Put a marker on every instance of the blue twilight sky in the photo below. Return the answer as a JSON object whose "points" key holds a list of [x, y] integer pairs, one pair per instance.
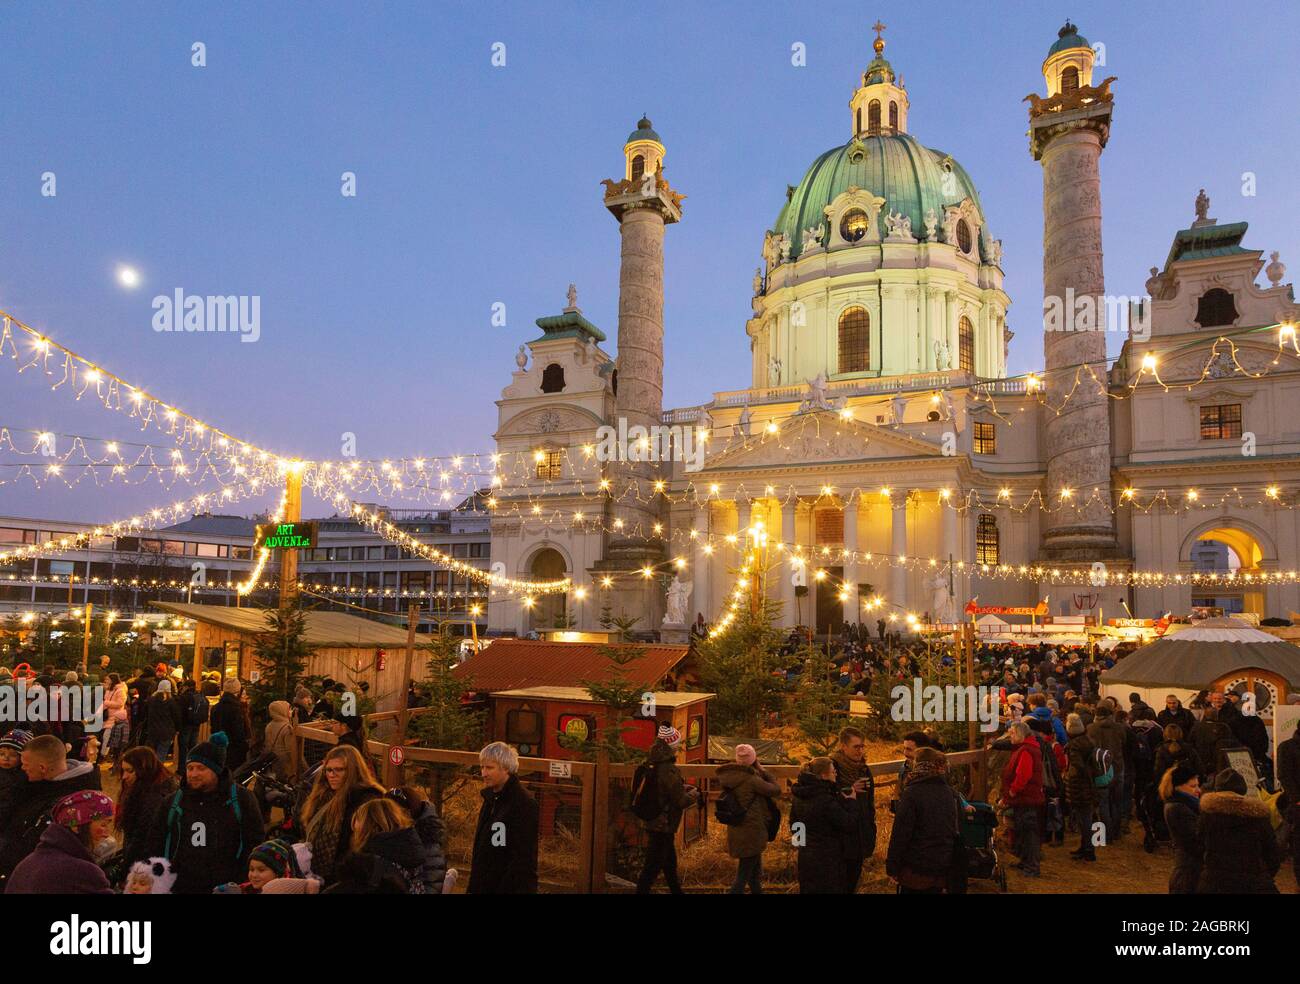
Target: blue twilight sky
{"points": [[479, 184]]}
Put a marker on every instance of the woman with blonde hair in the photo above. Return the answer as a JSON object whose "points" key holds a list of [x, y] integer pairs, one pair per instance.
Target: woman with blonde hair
{"points": [[384, 828], [343, 785]]}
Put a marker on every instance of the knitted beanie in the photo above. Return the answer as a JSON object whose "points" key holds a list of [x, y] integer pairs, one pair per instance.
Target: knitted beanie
{"points": [[211, 753]]}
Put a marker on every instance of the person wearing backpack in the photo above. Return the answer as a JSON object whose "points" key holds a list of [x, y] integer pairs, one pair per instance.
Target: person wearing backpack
{"points": [[753, 792], [1108, 735], [208, 828], [659, 796], [1080, 793]]}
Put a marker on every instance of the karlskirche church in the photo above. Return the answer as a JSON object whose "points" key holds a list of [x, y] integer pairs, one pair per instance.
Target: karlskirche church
{"points": [[881, 460]]}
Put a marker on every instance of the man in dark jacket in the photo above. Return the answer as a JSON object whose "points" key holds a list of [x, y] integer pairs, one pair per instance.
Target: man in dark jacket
{"points": [[228, 718], [1176, 713], [505, 841], [1209, 736], [673, 796], [852, 773], [50, 777], [1241, 850], [824, 823], [1080, 793], [1109, 734], [208, 828], [1288, 769], [923, 841], [194, 713]]}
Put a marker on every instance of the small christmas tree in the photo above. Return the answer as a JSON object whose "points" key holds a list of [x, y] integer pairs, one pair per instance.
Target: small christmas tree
{"points": [[281, 654]]}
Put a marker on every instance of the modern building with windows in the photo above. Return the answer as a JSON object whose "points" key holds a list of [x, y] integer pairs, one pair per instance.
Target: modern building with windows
{"points": [[880, 433], [204, 558]]}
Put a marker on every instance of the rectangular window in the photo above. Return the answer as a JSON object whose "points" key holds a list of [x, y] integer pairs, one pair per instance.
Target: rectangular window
{"points": [[207, 550], [550, 465], [1220, 422], [986, 541], [523, 727], [476, 549], [986, 441], [358, 553]]}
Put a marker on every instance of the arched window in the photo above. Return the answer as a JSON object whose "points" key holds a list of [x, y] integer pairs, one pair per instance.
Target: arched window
{"points": [[965, 345], [638, 167], [964, 241], [855, 340], [858, 118], [893, 116], [1216, 307], [873, 117], [1070, 79], [553, 378], [986, 540]]}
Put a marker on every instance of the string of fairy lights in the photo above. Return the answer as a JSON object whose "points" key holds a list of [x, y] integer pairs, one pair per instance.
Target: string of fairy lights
{"points": [[202, 452]]}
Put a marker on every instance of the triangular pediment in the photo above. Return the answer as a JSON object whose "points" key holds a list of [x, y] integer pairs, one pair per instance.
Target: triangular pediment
{"points": [[819, 438]]}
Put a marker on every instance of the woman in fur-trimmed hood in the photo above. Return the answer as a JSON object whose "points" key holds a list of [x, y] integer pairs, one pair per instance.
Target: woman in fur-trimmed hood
{"points": [[1241, 850]]}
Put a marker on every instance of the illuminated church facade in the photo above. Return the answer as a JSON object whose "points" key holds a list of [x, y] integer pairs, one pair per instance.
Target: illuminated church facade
{"points": [[881, 455]]}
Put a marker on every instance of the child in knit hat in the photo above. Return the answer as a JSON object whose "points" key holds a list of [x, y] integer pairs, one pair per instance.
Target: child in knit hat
{"points": [[12, 778], [268, 861], [152, 877]]}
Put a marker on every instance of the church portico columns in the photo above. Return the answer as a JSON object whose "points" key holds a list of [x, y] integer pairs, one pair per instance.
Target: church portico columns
{"points": [[850, 601], [703, 568], [898, 548], [789, 513]]}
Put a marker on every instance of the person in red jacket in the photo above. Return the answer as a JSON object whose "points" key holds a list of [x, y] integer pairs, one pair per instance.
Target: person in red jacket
{"points": [[1022, 791]]}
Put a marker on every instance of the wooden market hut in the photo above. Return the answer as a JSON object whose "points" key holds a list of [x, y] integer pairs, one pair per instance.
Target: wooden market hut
{"points": [[346, 648]]}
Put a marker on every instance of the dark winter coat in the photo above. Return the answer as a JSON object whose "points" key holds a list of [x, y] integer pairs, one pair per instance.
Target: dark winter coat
{"points": [[1288, 767], [830, 821], [228, 716], [1250, 731], [674, 794], [509, 866], [1181, 814], [1241, 850], [60, 865], [1182, 717], [1109, 734], [860, 842], [13, 786], [404, 849], [231, 825], [1207, 738], [138, 824], [163, 717], [755, 792], [329, 847], [1167, 756], [21, 834], [925, 830], [1079, 790]]}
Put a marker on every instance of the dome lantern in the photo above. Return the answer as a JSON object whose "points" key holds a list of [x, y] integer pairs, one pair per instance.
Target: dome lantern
{"points": [[1069, 61], [644, 151], [880, 103]]}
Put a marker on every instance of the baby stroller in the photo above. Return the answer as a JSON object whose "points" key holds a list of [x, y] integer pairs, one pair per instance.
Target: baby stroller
{"points": [[977, 823]]}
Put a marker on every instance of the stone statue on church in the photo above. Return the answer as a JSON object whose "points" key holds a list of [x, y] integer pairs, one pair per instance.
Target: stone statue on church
{"points": [[942, 361], [947, 405], [812, 239], [773, 371], [816, 396], [899, 226], [743, 426], [758, 281], [1275, 271], [573, 298], [521, 359], [942, 609], [995, 252], [898, 405], [931, 224], [677, 603], [1202, 205]]}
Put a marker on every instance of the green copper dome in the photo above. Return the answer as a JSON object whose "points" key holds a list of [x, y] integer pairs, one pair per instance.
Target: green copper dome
{"points": [[1068, 37], [644, 131], [895, 167]]}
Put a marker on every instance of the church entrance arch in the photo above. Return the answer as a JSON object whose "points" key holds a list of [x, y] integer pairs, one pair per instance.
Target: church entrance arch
{"points": [[549, 611], [1226, 548]]}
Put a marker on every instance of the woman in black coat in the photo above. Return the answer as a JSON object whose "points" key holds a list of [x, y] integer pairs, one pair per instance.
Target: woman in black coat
{"points": [[1241, 850], [826, 818], [228, 716], [384, 827], [145, 784], [163, 719], [923, 842], [1180, 789]]}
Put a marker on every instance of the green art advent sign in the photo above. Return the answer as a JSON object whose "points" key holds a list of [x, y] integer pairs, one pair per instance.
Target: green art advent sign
{"points": [[286, 536]]}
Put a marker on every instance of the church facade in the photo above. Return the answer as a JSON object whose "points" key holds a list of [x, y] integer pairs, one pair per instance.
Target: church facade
{"points": [[881, 458]]}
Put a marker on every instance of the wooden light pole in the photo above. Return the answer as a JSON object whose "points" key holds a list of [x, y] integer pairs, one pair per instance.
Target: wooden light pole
{"points": [[394, 771], [292, 514]]}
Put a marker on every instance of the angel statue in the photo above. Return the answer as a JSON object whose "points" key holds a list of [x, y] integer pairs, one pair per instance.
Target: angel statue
{"points": [[677, 602]]}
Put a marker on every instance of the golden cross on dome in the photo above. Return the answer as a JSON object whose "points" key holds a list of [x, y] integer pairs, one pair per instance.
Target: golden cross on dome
{"points": [[878, 28], [879, 43]]}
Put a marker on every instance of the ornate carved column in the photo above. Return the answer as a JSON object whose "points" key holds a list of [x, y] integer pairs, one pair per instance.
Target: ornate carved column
{"points": [[1068, 141], [789, 603]]}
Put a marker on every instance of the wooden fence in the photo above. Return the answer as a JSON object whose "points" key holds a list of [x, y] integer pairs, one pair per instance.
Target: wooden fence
{"points": [[586, 785]]}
